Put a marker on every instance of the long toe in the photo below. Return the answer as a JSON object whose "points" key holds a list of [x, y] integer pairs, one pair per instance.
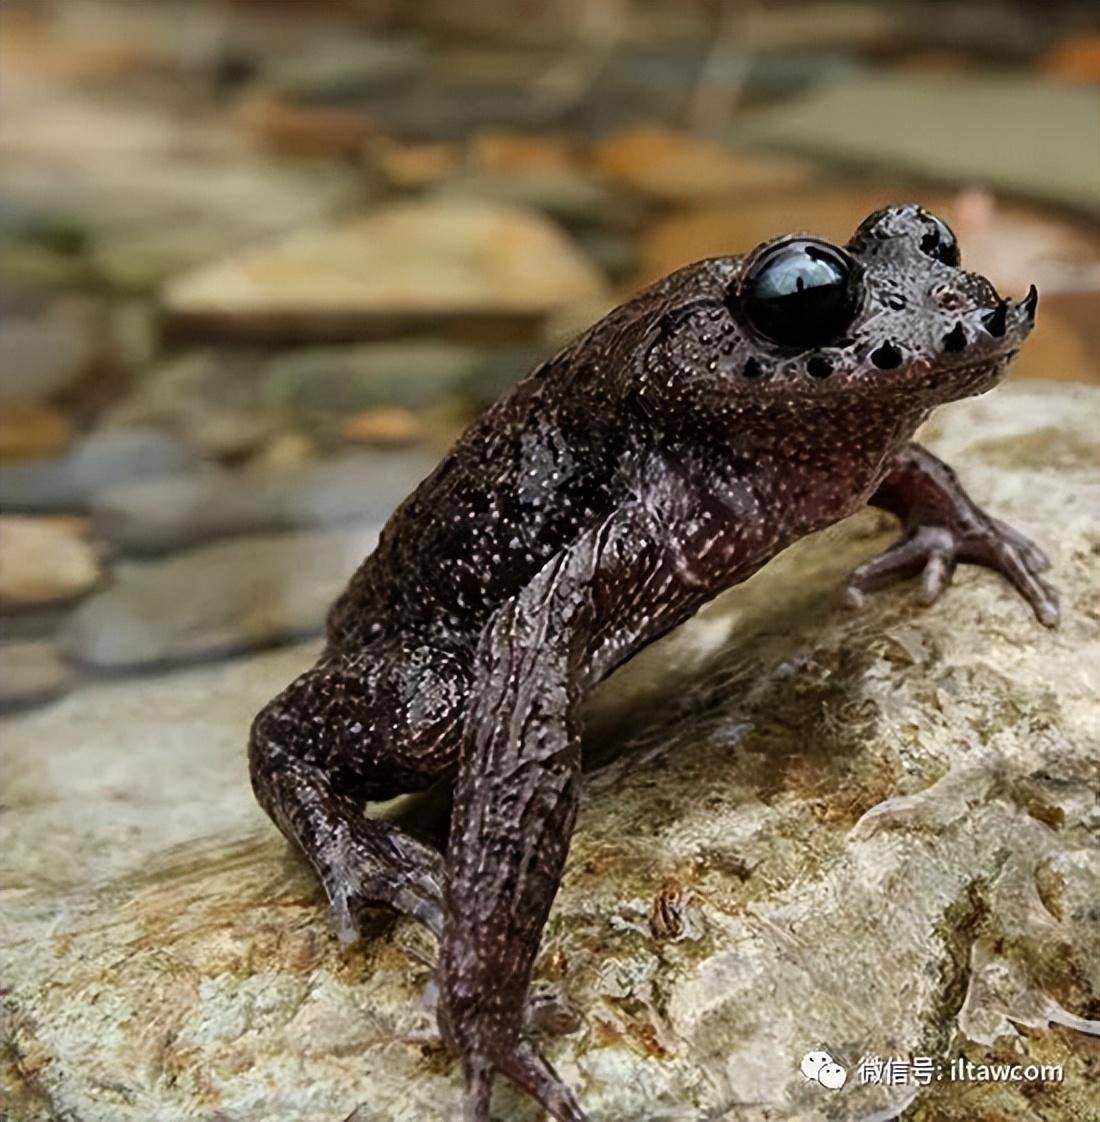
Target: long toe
{"points": [[527, 1068]]}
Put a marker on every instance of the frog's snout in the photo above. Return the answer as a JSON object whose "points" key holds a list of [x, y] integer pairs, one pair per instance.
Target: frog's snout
{"points": [[995, 321]]}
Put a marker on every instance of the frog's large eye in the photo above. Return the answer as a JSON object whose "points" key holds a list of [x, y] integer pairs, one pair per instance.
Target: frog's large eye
{"points": [[801, 293], [938, 240]]}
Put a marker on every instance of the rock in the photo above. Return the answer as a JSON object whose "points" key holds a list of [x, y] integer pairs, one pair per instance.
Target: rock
{"points": [[410, 167], [331, 70], [46, 352], [681, 169], [31, 673], [513, 153], [348, 379], [169, 514], [210, 400], [387, 425], [149, 206], [44, 560], [897, 805], [28, 432], [573, 199], [857, 123], [417, 263], [501, 368], [286, 129], [1076, 59], [100, 460], [215, 600]]}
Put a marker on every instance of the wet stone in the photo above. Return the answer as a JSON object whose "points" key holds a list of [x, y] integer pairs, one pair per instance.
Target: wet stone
{"points": [[385, 425], [30, 674], [422, 264], [28, 432], [678, 168], [169, 514], [215, 600], [857, 122], [46, 351], [411, 374], [100, 460], [44, 561]]}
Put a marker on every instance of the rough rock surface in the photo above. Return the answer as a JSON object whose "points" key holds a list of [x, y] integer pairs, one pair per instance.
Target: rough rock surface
{"points": [[866, 833]]}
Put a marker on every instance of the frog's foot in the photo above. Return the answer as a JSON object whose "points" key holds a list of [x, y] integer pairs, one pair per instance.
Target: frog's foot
{"points": [[526, 1068], [934, 551], [378, 865]]}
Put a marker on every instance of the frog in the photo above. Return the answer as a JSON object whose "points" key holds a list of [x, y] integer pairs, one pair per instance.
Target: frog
{"points": [[665, 455]]}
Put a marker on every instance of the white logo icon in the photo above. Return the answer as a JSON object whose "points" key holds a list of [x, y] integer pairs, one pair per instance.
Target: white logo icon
{"points": [[820, 1067]]}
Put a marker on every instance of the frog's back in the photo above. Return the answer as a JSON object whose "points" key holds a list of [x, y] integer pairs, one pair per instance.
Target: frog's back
{"points": [[522, 482]]}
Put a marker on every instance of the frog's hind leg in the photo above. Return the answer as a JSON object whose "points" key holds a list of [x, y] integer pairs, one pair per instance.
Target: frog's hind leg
{"points": [[361, 727]]}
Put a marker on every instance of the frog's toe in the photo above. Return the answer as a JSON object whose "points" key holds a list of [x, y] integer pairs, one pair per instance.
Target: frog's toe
{"points": [[1017, 563], [1032, 556], [929, 551], [525, 1067], [356, 895]]}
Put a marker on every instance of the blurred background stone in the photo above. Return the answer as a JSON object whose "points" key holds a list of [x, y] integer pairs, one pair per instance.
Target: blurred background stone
{"points": [[31, 673], [972, 129], [100, 460], [215, 600], [421, 264], [156, 516], [44, 560]]}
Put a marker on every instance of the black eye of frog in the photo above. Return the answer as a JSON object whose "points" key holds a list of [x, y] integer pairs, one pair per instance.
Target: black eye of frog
{"points": [[801, 293], [939, 240]]}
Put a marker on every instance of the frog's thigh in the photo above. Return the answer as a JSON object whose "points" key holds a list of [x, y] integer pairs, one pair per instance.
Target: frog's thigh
{"points": [[356, 727], [378, 722]]}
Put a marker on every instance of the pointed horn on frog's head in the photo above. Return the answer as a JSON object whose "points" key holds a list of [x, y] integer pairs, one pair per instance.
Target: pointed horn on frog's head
{"points": [[1029, 303]]}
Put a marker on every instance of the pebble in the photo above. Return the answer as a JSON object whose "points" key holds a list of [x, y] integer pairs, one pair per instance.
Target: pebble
{"points": [[348, 379], [386, 425], [44, 560], [28, 432], [31, 673], [47, 351], [215, 600], [678, 168], [419, 263], [170, 514], [102, 459]]}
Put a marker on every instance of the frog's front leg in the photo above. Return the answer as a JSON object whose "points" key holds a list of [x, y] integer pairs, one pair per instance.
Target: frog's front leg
{"points": [[517, 787], [943, 526]]}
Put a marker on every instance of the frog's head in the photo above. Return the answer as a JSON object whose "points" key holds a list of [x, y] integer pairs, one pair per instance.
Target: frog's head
{"points": [[891, 314]]}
